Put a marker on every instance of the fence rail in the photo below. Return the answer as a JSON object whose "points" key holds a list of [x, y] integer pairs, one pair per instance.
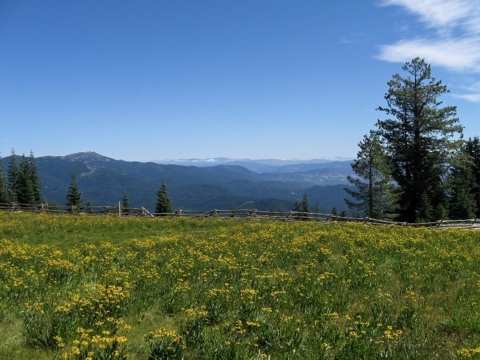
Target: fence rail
{"points": [[249, 214]]}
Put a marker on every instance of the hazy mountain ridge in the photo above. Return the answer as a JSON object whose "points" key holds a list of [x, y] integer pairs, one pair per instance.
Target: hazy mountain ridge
{"points": [[104, 181], [263, 165], [315, 172]]}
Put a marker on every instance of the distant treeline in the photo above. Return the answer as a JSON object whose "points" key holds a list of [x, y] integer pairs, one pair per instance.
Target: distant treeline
{"points": [[22, 184]]}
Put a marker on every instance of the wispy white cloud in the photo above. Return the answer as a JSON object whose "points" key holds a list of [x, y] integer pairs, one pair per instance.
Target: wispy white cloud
{"points": [[454, 54], [472, 93], [469, 97], [454, 43], [439, 14]]}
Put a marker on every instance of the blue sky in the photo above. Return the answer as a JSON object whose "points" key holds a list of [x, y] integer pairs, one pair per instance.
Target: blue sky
{"points": [[150, 80]]}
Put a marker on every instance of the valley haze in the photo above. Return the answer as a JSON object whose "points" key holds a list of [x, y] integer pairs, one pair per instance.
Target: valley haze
{"points": [[259, 165]]}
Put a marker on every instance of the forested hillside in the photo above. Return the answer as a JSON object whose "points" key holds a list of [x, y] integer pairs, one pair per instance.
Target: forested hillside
{"points": [[105, 181]]}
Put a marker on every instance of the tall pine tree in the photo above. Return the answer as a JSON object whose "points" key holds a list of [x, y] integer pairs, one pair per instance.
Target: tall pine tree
{"points": [[13, 177], [3, 185], [35, 180], [23, 180], [463, 184], [74, 196], [472, 150], [420, 137], [373, 192], [164, 203], [24, 188]]}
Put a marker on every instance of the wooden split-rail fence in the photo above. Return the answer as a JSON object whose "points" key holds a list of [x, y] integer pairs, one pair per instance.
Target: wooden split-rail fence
{"points": [[248, 214]]}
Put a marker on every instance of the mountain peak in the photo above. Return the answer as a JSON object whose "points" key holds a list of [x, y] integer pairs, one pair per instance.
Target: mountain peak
{"points": [[86, 155]]}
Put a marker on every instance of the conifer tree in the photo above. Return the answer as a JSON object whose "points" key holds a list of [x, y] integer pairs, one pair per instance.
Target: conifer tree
{"points": [[35, 180], [88, 207], [463, 185], [126, 204], [302, 206], [74, 196], [24, 188], [13, 177], [424, 210], [305, 206], [472, 150], [297, 208], [373, 186], [23, 180], [462, 201], [164, 203], [3, 185], [234, 209], [420, 137]]}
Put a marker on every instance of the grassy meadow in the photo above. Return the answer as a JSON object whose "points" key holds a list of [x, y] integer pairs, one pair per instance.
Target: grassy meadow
{"points": [[103, 287]]}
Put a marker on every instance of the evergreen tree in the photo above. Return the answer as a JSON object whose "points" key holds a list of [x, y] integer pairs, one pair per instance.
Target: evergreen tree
{"points": [[74, 196], [302, 206], [463, 185], [334, 211], [317, 208], [3, 185], [88, 207], [374, 192], [305, 206], [35, 180], [23, 180], [13, 177], [424, 210], [24, 186], [472, 150], [297, 208], [126, 204], [462, 202], [164, 203], [419, 137]]}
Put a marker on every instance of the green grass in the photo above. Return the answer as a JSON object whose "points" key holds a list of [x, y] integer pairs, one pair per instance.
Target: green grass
{"points": [[78, 287]]}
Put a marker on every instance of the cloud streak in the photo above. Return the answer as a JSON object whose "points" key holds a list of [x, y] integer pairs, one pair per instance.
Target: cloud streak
{"points": [[455, 54], [438, 14], [454, 42]]}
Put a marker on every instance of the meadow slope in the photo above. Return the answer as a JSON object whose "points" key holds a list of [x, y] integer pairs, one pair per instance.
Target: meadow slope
{"points": [[103, 287]]}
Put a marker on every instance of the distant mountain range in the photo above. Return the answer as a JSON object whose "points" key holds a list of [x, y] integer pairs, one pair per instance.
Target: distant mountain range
{"points": [[315, 172], [263, 165], [264, 185]]}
